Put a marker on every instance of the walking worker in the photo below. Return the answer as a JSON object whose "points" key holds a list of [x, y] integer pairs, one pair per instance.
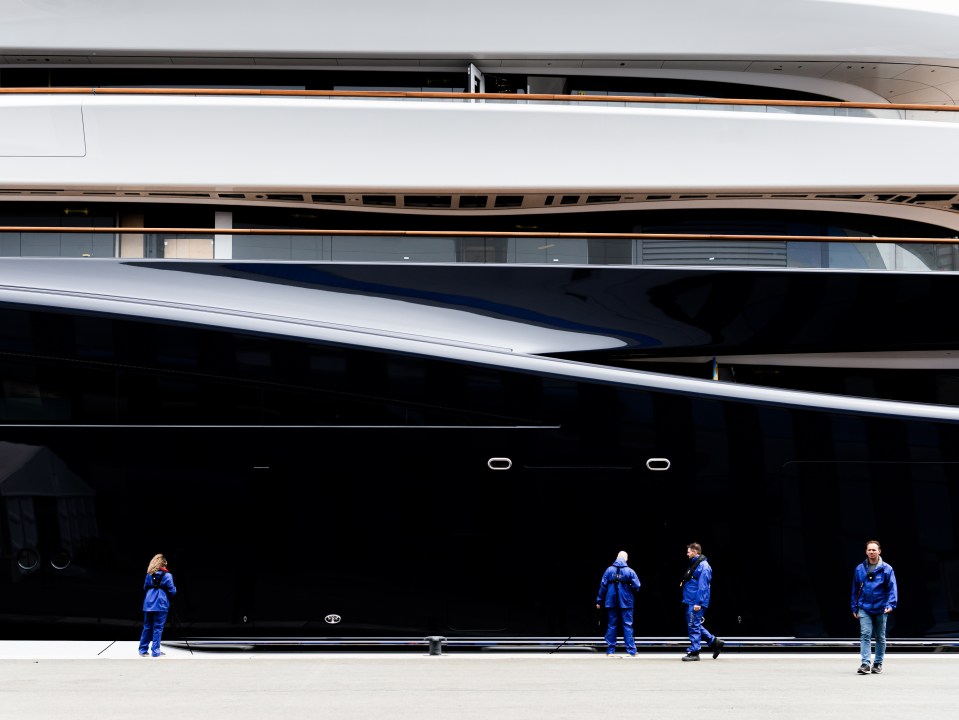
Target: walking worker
{"points": [[158, 587], [616, 595], [874, 596], [695, 587]]}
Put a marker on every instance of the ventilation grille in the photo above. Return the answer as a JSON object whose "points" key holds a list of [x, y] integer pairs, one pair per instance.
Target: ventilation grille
{"points": [[684, 252]]}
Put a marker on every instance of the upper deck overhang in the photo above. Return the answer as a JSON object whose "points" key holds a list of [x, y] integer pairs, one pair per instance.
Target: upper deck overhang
{"points": [[853, 49], [232, 144], [893, 31]]}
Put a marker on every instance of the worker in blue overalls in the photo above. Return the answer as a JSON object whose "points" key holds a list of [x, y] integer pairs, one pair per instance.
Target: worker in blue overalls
{"points": [[158, 587], [695, 587], [616, 595]]}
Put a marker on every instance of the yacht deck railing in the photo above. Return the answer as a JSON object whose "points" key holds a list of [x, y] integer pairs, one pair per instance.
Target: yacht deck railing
{"points": [[545, 235], [849, 252]]}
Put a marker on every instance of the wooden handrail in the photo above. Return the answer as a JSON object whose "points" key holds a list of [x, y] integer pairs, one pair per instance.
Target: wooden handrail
{"points": [[475, 233], [510, 97]]}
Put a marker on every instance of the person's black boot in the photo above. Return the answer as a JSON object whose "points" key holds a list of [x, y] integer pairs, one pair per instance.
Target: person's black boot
{"points": [[691, 657], [717, 647]]}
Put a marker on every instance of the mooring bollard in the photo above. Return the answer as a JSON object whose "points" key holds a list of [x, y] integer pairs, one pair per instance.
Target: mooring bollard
{"points": [[436, 644]]}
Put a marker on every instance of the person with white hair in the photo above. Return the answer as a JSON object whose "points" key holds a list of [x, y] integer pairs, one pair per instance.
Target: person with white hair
{"points": [[616, 591]]}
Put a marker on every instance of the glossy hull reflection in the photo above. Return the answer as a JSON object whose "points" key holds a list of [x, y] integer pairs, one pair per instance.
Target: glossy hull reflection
{"points": [[403, 531], [291, 479]]}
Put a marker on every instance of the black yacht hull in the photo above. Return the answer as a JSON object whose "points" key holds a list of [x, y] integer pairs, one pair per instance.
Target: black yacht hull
{"points": [[313, 488]]}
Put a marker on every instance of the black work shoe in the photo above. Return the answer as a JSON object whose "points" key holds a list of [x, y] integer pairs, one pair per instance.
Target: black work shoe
{"points": [[863, 669], [691, 657], [717, 646], [877, 668]]}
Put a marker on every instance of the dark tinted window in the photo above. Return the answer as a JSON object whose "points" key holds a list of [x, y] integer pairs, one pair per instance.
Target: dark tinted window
{"points": [[86, 369], [42, 392], [428, 201], [149, 399]]}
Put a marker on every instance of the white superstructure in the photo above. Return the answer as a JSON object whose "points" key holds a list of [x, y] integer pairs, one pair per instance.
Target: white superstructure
{"points": [[304, 147]]}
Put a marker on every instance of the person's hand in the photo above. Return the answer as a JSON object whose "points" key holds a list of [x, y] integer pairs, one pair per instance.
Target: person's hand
{"points": [[697, 608], [597, 607], [888, 610], [856, 615]]}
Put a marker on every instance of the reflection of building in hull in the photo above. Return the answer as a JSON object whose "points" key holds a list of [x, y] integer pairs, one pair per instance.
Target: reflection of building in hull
{"points": [[401, 358], [37, 488]]}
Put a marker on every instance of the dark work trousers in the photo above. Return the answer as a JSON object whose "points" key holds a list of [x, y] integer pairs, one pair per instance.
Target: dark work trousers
{"points": [[152, 630], [697, 631], [614, 618]]}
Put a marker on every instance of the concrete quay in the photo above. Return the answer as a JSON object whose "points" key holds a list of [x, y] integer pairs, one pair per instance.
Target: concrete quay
{"points": [[109, 680]]}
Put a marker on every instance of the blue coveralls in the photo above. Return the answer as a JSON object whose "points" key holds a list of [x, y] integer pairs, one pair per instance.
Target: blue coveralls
{"points": [[696, 592], [156, 605], [617, 598]]}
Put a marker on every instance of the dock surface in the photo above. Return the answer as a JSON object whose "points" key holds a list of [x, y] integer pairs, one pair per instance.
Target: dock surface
{"points": [[107, 681]]}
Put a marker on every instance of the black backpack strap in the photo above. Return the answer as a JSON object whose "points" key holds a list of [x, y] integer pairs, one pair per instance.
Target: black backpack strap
{"points": [[691, 570]]}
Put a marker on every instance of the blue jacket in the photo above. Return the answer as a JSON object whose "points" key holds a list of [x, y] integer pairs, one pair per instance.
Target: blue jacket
{"points": [[617, 594], [157, 599], [874, 596], [696, 589]]}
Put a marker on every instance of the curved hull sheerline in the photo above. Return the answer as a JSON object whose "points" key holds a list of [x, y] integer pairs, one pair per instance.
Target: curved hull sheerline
{"points": [[530, 310], [502, 315]]}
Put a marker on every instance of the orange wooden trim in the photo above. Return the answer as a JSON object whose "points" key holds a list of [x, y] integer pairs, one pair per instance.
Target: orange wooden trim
{"points": [[476, 233], [507, 97]]}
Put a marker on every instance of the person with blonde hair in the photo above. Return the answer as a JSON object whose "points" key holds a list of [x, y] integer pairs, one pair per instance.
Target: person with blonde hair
{"points": [[158, 587]]}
